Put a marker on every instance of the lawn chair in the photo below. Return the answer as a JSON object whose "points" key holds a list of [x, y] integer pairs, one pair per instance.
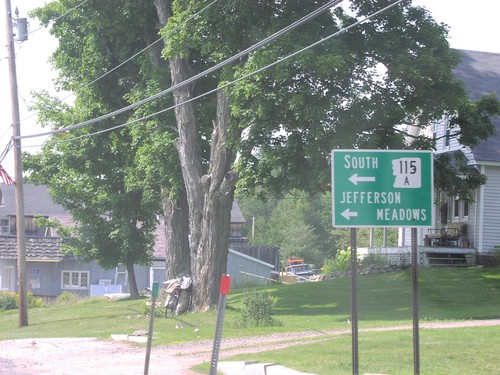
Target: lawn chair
{"points": [[449, 235]]}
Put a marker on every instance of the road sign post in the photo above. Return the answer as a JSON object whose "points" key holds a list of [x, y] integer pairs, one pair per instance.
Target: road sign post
{"points": [[225, 284], [382, 188]]}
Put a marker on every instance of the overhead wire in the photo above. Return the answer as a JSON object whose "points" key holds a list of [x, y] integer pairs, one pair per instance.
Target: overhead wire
{"points": [[56, 19], [194, 15], [279, 61], [196, 77], [10, 144], [139, 53], [124, 62]]}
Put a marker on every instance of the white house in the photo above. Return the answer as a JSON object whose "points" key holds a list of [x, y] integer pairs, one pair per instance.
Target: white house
{"points": [[480, 72]]}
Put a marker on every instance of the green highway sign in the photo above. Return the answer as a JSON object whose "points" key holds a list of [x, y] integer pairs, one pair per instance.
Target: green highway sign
{"points": [[382, 188]]}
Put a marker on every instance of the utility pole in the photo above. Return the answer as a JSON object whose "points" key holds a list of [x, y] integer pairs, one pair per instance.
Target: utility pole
{"points": [[16, 130]]}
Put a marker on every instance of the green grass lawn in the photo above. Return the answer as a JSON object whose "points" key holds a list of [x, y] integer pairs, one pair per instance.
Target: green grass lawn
{"points": [[446, 294], [464, 351]]}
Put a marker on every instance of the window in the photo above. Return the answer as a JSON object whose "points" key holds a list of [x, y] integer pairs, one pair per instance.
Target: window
{"points": [[456, 208], [5, 226], [466, 209], [29, 223], [447, 137], [75, 280], [29, 226]]}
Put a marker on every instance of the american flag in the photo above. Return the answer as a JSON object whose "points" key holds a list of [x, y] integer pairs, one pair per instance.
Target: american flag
{"points": [[5, 177]]}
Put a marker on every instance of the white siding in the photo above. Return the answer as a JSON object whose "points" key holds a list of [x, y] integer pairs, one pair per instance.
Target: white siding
{"points": [[491, 210]]}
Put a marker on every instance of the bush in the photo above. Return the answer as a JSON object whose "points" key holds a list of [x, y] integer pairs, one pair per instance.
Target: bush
{"points": [[257, 310], [341, 263], [8, 301], [34, 301], [67, 298], [374, 259], [159, 309]]}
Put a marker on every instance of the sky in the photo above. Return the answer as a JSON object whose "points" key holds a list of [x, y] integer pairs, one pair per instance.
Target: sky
{"points": [[473, 26]]}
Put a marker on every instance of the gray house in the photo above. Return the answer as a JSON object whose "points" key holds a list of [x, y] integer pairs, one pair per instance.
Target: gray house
{"points": [[49, 272], [479, 220], [480, 71]]}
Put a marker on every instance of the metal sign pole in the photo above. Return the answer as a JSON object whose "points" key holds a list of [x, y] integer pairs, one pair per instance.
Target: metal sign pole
{"points": [[154, 295], [414, 272], [354, 301], [224, 291]]}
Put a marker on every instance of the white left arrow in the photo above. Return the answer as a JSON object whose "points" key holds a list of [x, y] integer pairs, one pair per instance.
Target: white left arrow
{"points": [[348, 214], [355, 179]]}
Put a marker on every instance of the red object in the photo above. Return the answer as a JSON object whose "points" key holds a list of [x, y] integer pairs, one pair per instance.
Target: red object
{"points": [[225, 283], [5, 177]]}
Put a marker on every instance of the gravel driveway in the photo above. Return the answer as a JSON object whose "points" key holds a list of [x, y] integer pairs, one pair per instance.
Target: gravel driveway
{"points": [[86, 356]]}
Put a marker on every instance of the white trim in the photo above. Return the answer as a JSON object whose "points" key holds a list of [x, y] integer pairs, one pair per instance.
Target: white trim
{"points": [[71, 286], [481, 214], [488, 163]]}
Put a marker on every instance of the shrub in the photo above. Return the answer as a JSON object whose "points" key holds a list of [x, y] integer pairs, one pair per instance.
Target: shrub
{"points": [[257, 310], [34, 301], [374, 259], [8, 301], [341, 263], [159, 309], [67, 298]]}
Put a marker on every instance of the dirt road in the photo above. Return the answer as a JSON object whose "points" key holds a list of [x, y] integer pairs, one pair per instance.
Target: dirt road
{"points": [[86, 356]]}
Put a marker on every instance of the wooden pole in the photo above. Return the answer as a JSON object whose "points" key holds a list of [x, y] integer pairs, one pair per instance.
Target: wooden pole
{"points": [[16, 130]]}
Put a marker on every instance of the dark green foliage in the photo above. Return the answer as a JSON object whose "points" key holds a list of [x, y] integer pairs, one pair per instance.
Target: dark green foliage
{"points": [[453, 175], [257, 309], [341, 263], [352, 91], [99, 176], [8, 301]]}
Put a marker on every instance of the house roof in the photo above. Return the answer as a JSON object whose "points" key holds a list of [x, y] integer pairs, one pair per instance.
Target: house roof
{"points": [[41, 249], [480, 72], [236, 214], [37, 201]]}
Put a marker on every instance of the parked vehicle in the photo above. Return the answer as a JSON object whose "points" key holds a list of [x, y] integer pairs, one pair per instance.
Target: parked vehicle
{"points": [[298, 268]]}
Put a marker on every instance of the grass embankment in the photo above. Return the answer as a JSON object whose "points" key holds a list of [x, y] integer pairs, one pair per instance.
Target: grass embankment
{"points": [[383, 300]]}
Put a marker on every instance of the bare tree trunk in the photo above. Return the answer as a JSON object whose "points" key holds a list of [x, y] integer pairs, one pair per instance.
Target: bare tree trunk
{"points": [[177, 254], [189, 156], [211, 258], [175, 210], [134, 292], [209, 196]]}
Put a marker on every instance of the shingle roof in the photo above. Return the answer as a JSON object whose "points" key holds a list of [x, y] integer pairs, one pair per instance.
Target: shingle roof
{"points": [[480, 72], [37, 248], [36, 202]]}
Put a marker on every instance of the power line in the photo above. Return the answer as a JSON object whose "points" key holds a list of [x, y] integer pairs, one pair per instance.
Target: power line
{"points": [[141, 51], [216, 67], [127, 60], [343, 30], [56, 19]]}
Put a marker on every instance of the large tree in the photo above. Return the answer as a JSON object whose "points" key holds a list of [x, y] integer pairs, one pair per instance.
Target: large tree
{"points": [[268, 133], [96, 177], [354, 90]]}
